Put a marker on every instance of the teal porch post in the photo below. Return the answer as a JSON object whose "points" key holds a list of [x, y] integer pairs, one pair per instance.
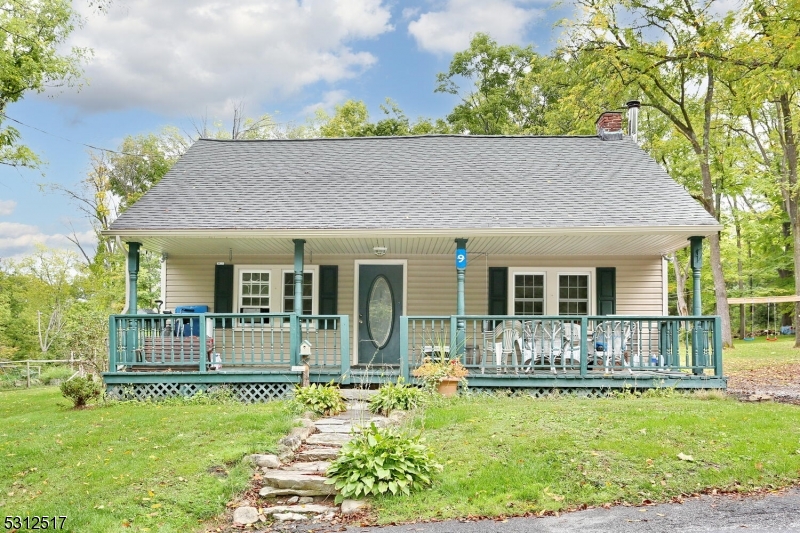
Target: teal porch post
{"points": [[299, 252], [461, 269], [698, 335], [133, 276], [132, 334]]}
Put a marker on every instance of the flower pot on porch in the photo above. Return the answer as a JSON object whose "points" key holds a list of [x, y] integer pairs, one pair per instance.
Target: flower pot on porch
{"points": [[448, 387]]}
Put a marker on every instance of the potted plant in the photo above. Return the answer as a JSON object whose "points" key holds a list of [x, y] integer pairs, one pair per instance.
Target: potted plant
{"points": [[441, 372]]}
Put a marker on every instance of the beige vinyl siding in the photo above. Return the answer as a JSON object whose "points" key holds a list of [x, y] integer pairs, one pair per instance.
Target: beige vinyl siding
{"points": [[431, 280], [431, 284]]}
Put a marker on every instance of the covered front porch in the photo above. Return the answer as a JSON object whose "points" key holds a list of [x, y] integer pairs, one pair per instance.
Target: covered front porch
{"points": [[554, 322], [263, 356]]}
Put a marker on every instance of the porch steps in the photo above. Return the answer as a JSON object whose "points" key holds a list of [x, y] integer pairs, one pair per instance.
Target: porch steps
{"points": [[294, 480], [358, 394]]}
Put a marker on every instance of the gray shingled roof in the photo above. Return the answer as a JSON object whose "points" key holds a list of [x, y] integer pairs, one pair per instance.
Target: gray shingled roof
{"points": [[427, 182]]}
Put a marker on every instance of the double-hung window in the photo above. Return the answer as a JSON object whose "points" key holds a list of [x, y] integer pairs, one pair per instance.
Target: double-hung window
{"points": [[528, 294], [270, 289], [254, 291], [288, 292], [573, 294]]}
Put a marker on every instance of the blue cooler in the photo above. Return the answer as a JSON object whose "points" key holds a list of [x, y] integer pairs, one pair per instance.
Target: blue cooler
{"points": [[189, 326]]}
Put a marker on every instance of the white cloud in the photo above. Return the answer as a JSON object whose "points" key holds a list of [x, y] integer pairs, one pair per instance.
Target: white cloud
{"points": [[410, 12], [329, 100], [7, 207], [450, 30], [179, 57], [17, 240]]}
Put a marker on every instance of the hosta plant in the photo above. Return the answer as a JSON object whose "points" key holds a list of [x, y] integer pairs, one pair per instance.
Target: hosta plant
{"points": [[396, 396], [323, 400], [382, 461]]}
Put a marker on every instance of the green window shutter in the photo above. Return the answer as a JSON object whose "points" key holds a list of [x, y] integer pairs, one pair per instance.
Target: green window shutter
{"points": [[223, 291], [606, 291], [498, 290], [328, 293]]}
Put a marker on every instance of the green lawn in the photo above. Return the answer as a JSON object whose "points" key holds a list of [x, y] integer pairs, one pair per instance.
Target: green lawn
{"points": [[130, 466], [760, 353], [518, 455]]}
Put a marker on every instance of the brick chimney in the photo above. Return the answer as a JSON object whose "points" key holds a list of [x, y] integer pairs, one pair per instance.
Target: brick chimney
{"points": [[609, 126]]}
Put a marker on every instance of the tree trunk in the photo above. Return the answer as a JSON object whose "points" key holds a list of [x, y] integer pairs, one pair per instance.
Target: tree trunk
{"points": [[790, 153], [720, 291], [680, 285]]}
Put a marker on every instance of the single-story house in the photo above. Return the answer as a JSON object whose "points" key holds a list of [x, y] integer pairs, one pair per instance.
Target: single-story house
{"points": [[538, 261]]}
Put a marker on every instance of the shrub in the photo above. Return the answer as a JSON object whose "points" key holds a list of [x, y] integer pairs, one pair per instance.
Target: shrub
{"points": [[81, 390], [323, 400], [396, 396], [381, 461]]}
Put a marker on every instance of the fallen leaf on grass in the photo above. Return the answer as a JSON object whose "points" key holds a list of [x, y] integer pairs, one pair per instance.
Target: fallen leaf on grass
{"points": [[683, 457]]}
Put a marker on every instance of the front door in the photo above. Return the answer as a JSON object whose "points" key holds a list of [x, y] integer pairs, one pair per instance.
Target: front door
{"points": [[380, 304]]}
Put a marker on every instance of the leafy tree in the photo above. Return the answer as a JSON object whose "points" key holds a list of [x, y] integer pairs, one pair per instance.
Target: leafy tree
{"points": [[669, 52], [139, 163], [39, 301], [33, 58], [351, 119], [496, 103], [763, 80]]}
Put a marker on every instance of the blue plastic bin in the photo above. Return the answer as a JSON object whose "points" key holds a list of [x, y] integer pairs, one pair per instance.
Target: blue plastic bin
{"points": [[189, 326]]}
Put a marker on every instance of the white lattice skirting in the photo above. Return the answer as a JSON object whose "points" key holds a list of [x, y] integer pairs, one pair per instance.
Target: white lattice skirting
{"points": [[544, 392], [245, 392]]}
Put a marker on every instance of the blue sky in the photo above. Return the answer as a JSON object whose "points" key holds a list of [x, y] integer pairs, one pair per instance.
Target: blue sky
{"points": [[169, 62]]}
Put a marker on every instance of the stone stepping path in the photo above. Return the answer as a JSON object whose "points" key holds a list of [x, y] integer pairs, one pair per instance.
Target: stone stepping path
{"points": [[293, 480]]}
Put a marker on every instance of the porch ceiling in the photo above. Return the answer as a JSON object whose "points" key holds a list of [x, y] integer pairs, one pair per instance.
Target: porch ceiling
{"points": [[584, 243]]}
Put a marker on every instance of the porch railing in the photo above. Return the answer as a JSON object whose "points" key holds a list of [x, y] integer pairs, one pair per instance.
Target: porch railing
{"points": [[233, 341], [582, 346]]}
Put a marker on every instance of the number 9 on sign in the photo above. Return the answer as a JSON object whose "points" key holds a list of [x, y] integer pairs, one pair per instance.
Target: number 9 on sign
{"points": [[461, 258]]}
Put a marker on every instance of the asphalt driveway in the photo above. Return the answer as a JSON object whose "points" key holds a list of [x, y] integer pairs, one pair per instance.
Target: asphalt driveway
{"points": [[767, 513]]}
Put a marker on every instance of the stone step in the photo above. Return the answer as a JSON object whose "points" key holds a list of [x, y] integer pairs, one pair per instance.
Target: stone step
{"points": [[357, 394], [335, 428], [289, 517], [298, 481], [329, 439], [310, 508], [308, 466], [318, 454], [331, 422], [272, 492]]}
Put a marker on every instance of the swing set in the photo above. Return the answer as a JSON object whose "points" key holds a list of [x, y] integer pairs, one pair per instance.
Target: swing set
{"points": [[772, 313]]}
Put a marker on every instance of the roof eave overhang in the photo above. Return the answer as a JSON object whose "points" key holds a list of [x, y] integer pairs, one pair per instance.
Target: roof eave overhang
{"points": [[300, 233]]}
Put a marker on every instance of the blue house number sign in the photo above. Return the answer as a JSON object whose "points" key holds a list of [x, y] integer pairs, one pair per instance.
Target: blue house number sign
{"points": [[461, 258]]}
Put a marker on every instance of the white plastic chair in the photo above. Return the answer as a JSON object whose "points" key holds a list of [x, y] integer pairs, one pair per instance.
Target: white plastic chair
{"points": [[612, 338], [571, 350], [503, 344], [542, 344]]}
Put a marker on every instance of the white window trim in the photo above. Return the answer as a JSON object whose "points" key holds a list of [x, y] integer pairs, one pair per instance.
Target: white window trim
{"points": [[551, 277], [314, 270], [513, 275], [590, 293], [276, 293]]}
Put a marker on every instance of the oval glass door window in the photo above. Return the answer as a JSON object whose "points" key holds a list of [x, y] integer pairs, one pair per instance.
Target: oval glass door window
{"points": [[380, 311]]}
